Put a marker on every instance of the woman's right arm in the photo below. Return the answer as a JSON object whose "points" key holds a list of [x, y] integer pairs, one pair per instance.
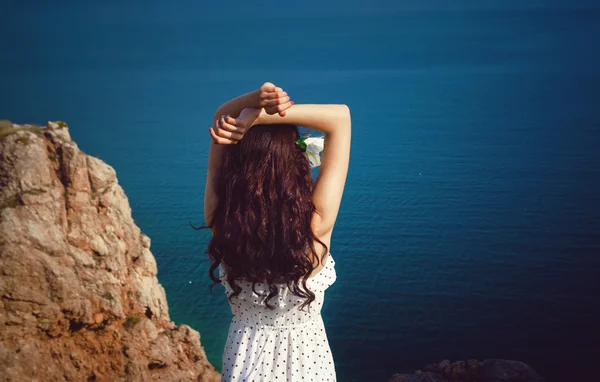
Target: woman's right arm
{"points": [[335, 122]]}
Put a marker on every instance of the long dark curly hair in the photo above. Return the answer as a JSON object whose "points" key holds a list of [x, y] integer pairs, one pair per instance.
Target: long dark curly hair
{"points": [[262, 222]]}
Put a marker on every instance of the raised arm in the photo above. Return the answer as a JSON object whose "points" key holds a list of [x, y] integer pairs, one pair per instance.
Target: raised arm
{"points": [[335, 122], [269, 98]]}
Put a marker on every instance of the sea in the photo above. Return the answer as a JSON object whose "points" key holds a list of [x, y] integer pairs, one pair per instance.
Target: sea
{"points": [[470, 221]]}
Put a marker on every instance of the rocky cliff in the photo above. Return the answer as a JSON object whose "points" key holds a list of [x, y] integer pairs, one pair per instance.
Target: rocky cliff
{"points": [[80, 300]]}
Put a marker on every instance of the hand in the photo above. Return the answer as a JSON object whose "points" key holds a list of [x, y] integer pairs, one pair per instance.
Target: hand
{"points": [[229, 130], [273, 99]]}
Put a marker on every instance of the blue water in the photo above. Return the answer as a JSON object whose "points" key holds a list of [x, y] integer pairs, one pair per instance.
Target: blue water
{"points": [[470, 223]]}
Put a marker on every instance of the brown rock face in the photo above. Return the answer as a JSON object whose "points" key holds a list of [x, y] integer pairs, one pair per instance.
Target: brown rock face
{"points": [[80, 300]]}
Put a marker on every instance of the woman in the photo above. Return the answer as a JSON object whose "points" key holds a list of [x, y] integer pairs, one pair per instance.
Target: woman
{"points": [[272, 226]]}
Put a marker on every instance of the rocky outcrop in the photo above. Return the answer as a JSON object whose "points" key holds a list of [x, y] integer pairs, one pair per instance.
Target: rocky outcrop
{"points": [[80, 300], [490, 370]]}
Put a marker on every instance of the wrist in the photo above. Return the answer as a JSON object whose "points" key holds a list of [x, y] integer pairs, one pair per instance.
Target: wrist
{"points": [[248, 116], [260, 117], [255, 99]]}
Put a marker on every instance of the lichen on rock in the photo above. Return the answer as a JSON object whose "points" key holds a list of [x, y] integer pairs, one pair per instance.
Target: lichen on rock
{"points": [[80, 299]]}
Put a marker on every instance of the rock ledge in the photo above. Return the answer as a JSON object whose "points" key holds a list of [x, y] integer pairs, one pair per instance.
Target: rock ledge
{"points": [[80, 300], [489, 370]]}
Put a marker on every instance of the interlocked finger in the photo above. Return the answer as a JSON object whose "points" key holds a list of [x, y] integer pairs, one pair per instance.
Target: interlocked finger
{"points": [[271, 99], [230, 135], [275, 101], [279, 108], [229, 124], [274, 94], [284, 106], [220, 140]]}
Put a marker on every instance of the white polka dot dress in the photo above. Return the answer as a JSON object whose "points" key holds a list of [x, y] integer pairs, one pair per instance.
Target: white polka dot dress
{"points": [[283, 344]]}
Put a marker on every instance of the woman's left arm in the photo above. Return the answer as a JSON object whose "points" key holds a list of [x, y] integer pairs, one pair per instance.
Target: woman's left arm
{"points": [[273, 99]]}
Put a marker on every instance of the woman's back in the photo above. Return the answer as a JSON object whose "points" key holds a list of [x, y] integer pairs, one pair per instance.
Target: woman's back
{"points": [[249, 305], [286, 343]]}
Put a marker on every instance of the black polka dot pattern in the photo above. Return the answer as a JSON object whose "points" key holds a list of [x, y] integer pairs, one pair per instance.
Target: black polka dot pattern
{"points": [[284, 344]]}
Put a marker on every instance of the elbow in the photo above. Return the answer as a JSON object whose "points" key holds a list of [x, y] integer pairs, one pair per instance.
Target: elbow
{"points": [[345, 110], [345, 115]]}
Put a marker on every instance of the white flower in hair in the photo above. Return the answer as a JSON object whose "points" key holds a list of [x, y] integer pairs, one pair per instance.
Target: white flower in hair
{"points": [[312, 146]]}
